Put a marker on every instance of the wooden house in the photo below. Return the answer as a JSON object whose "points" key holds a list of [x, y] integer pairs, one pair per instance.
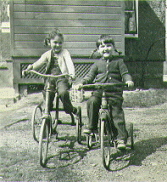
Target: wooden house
{"points": [[133, 24], [81, 23]]}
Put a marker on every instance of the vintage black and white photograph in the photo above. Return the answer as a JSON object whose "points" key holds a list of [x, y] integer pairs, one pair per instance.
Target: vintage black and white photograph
{"points": [[83, 90]]}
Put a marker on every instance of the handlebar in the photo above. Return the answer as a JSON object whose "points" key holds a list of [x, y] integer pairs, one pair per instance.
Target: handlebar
{"points": [[48, 76], [101, 85]]}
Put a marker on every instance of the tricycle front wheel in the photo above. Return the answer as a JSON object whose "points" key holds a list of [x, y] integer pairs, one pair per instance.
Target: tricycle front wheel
{"points": [[36, 122], [105, 144], [44, 142]]}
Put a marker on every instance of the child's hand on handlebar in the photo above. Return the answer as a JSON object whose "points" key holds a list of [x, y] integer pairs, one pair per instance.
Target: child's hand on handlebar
{"points": [[77, 86], [70, 80], [130, 84], [25, 73]]}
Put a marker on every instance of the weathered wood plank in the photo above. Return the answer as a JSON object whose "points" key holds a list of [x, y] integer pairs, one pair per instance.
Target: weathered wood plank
{"points": [[67, 38], [69, 30], [74, 45], [66, 16], [39, 52], [68, 9], [69, 2], [69, 23], [66, 44]]}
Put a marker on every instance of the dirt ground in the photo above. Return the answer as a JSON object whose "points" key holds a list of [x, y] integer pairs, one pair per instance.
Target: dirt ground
{"points": [[70, 161]]}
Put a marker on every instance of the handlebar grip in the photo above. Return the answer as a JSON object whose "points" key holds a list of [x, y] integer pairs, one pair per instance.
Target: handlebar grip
{"points": [[24, 73]]}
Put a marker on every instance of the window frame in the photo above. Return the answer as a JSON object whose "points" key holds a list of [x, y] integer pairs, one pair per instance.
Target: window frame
{"points": [[133, 35]]}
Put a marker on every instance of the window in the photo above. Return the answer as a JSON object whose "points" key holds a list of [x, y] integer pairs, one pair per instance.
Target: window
{"points": [[131, 18]]}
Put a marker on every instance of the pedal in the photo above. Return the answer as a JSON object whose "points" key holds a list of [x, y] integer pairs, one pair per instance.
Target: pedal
{"points": [[46, 116]]}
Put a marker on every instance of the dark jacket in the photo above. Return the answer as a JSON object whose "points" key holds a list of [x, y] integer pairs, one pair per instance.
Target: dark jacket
{"points": [[111, 71]]}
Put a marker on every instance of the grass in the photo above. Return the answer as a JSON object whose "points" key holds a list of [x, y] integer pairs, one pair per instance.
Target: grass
{"points": [[141, 98], [132, 99], [144, 98]]}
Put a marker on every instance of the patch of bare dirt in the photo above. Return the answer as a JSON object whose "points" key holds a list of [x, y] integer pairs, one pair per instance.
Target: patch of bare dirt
{"points": [[70, 161]]}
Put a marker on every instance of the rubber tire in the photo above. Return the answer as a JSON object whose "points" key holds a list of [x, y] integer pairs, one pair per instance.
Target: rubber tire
{"points": [[89, 141], [43, 142], [131, 136], [79, 128], [36, 122], [57, 109], [105, 157]]}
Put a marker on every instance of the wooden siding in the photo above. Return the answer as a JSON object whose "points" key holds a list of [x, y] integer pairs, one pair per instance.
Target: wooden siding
{"points": [[81, 22]]}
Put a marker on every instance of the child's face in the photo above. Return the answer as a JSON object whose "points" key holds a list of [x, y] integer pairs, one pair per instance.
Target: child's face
{"points": [[106, 50], [56, 44]]}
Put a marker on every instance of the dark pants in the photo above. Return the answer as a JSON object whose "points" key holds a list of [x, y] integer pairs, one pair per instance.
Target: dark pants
{"points": [[116, 114], [62, 86]]}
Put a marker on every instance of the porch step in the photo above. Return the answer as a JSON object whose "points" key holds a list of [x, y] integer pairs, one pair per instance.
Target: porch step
{"points": [[8, 96]]}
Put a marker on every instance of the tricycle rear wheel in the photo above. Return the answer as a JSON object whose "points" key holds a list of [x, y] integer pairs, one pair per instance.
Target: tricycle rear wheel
{"points": [[131, 136], [79, 126]]}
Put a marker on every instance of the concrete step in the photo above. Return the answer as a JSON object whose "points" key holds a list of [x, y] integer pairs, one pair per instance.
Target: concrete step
{"points": [[8, 96]]}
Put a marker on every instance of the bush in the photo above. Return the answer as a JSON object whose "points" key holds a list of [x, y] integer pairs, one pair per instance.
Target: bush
{"points": [[144, 98]]}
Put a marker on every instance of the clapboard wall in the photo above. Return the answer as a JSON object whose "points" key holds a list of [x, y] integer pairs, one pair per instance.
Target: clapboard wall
{"points": [[81, 22]]}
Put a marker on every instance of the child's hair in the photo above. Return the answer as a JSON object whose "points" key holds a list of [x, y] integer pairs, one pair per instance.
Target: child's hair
{"points": [[106, 38], [52, 35]]}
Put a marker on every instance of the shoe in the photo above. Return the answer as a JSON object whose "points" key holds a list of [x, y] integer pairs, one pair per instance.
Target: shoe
{"points": [[87, 131], [54, 131], [121, 145]]}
